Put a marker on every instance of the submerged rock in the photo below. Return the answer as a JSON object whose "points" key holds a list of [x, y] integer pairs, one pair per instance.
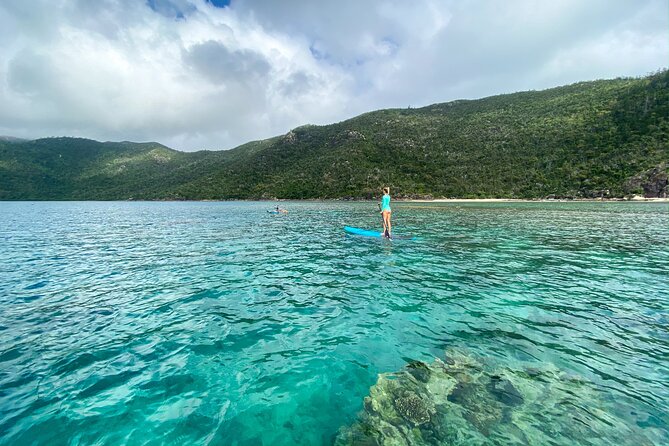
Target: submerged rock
{"points": [[462, 401], [504, 391], [480, 409], [419, 370]]}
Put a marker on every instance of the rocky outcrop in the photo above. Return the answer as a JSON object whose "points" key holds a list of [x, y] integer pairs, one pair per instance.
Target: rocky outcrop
{"points": [[290, 137], [652, 183], [354, 134]]}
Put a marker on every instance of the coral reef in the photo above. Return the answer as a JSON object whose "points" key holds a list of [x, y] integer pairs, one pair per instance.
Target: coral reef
{"points": [[461, 400]]}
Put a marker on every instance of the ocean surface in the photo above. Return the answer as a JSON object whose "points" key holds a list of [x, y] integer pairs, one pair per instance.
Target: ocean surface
{"points": [[218, 323]]}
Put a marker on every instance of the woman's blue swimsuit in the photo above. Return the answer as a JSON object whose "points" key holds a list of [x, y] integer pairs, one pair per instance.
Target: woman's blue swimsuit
{"points": [[385, 203]]}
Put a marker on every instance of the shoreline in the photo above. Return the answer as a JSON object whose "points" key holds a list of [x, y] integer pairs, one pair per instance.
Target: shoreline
{"points": [[374, 200], [533, 200]]}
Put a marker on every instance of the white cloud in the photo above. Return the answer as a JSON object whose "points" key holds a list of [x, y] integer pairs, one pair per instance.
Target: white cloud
{"points": [[192, 76], [209, 81]]}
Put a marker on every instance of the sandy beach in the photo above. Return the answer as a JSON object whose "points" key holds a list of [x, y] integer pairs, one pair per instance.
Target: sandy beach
{"points": [[520, 200]]}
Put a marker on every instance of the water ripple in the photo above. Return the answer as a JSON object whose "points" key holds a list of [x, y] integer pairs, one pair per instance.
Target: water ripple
{"points": [[217, 323]]}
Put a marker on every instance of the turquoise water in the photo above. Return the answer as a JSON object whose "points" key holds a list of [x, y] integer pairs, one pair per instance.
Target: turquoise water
{"points": [[218, 323]]}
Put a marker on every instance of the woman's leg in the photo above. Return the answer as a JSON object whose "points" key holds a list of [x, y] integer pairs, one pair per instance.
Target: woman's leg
{"points": [[390, 226]]}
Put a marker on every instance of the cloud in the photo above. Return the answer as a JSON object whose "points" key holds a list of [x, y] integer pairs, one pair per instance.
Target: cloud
{"points": [[193, 75], [218, 64], [209, 80]]}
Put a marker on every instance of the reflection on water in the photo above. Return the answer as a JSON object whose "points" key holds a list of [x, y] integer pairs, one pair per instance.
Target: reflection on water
{"points": [[218, 323]]}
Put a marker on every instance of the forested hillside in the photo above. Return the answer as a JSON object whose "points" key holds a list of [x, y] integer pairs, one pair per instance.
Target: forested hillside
{"points": [[605, 138]]}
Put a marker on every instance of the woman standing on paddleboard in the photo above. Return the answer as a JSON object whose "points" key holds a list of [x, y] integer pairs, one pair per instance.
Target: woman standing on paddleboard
{"points": [[385, 212]]}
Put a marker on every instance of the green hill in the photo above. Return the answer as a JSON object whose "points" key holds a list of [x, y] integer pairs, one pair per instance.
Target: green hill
{"points": [[590, 139]]}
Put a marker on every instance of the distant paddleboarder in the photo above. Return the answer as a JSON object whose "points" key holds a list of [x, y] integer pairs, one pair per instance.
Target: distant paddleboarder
{"points": [[385, 212]]}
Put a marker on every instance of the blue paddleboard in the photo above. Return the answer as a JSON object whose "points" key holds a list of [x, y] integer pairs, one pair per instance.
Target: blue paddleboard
{"points": [[368, 233], [365, 232]]}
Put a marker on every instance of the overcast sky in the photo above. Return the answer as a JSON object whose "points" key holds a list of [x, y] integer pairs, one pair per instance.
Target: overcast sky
{"points": [[197, 74]]}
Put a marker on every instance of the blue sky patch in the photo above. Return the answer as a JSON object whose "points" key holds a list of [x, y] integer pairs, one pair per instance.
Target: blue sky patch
{"points": [[168, 8], [316, 53], [219, 3]]}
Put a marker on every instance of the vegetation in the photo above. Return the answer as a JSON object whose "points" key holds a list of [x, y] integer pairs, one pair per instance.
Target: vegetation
{"points": [[607, 138]]}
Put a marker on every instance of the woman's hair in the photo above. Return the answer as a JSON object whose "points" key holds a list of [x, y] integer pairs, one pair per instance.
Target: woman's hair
{"points": [[386, 190]]}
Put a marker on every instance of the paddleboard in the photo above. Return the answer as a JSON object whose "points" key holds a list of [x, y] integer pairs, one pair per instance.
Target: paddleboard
{"points": [[368, 233], [363, 232]]}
